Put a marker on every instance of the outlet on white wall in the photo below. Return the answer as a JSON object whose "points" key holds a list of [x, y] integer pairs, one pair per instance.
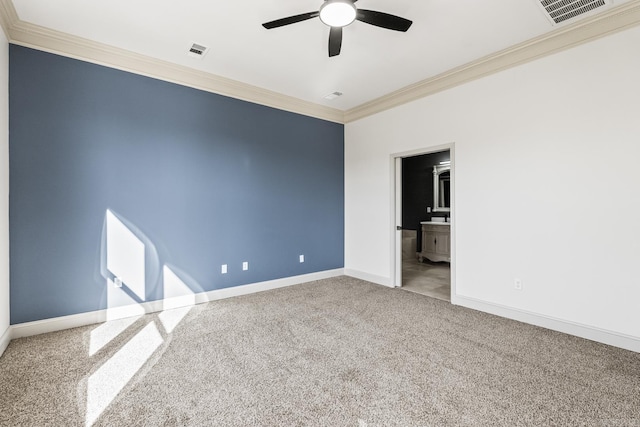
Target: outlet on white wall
{"points": [[517, 284]]}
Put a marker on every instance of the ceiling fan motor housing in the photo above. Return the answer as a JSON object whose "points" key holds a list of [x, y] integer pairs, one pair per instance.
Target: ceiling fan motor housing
{"points": [[337, 13]]}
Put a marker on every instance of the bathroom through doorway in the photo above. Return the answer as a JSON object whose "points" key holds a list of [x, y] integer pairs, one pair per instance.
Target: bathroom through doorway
{"points": [[425, 218]]}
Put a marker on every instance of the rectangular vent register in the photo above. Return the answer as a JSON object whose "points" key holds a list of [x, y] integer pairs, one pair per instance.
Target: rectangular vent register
{"points": [[197, 50], [559, 11]]}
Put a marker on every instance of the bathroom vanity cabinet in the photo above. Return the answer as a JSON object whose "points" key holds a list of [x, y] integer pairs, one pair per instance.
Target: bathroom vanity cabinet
{"points": [[436, 241]]}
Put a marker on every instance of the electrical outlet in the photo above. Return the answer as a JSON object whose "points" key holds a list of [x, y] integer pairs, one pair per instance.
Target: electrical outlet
{"points": [[223, 269], [301, 258], [517, 284], [117, 282], [245, 266]]}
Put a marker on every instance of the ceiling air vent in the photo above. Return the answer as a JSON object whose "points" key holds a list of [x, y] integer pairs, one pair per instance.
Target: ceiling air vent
{"points": [[333, 95], [197, 50], [563, 10]]}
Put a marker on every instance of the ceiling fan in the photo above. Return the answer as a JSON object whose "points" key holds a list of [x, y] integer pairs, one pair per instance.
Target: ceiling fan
{"points": [[340, 13]]}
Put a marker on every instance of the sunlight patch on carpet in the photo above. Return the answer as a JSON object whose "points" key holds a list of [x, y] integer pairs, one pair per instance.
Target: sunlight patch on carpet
{"points": [[106, 332], [109, 380]]}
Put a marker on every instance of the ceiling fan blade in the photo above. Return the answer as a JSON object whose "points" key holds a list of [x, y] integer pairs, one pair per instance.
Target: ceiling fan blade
{"points": [[290, 20], [384, 20], [335, 41]]}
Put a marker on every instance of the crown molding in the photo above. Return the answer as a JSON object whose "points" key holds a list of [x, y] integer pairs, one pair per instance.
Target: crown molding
{"points": [[615, 19], [37, 37], [7, 16], [25, 34]]}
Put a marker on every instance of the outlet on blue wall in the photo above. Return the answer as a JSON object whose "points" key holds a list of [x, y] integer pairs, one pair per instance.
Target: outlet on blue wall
{"points": [[116, 175]]}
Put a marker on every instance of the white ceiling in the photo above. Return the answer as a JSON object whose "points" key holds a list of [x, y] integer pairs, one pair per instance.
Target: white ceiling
{"points": [[293, 60]]}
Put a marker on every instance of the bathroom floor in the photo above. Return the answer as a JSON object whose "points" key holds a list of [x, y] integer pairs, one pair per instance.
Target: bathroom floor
{"points": [[432, 279]]}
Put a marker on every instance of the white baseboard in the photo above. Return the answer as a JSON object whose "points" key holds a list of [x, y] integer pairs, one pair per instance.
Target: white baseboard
{"points": [[5, 338], [615, 339], [66, 322], [93, 317], [380, 280]]}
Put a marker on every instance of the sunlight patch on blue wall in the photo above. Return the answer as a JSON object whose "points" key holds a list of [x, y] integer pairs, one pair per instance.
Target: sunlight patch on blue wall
{"points": [[125, 256], [177, 302]]}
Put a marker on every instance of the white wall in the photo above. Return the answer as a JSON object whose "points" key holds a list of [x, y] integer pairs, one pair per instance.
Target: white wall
{"points": [[4, 192], [547, 183]]}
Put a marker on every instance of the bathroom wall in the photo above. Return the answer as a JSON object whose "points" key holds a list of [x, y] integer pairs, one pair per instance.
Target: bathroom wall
{"points": [[417, 190]]}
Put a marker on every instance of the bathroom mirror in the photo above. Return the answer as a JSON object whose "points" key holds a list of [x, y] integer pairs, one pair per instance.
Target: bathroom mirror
{"points": [[442, 188]]}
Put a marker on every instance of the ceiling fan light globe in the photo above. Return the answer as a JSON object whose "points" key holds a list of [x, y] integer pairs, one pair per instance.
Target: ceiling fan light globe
{"points": [[337, 13]]}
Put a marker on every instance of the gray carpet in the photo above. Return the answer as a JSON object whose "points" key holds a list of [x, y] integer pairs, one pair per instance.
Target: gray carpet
{"points": [[337, 352]]}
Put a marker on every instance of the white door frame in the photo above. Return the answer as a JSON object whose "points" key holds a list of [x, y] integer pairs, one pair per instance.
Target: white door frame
{"points": [[397, 246], [396, 211]]}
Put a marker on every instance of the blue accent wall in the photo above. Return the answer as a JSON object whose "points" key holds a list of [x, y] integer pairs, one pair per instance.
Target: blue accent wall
{"points": [[201, 179]]}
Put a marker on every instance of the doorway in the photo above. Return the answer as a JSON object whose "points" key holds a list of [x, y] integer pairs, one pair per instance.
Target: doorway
{"points": [[423, 248]]}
